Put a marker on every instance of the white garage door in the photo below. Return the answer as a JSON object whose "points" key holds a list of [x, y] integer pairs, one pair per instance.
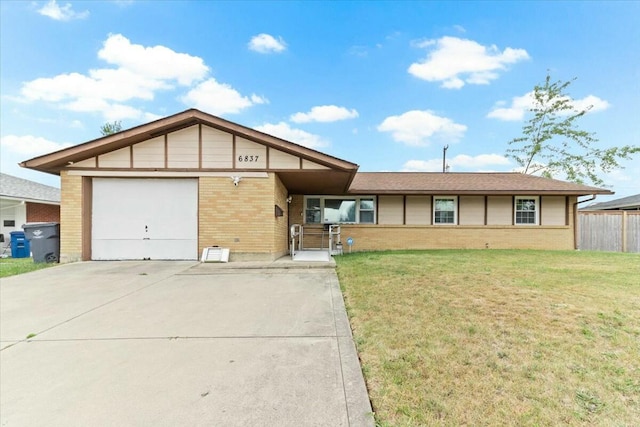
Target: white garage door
{"points": [[144, 219]]}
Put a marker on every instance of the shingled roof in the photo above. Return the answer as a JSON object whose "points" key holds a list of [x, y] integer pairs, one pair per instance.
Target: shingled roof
{"points": [[13, 187], [630, 202], [465, 183]]}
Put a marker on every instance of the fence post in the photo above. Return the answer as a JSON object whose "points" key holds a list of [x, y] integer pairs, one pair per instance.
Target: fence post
{"points": [[624, 231]]}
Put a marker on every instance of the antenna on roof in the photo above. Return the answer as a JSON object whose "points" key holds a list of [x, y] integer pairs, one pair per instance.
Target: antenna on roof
{"points": [[445, 168]]}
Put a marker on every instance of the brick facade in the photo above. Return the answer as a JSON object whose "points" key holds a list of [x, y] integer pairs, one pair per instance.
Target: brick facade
{"points": [[70, 217], [371, 237], [243, 218], [40, 212]]}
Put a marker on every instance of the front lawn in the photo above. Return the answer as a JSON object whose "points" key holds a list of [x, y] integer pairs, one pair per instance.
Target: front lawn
{"points": [[13, 266], [495, 337]]}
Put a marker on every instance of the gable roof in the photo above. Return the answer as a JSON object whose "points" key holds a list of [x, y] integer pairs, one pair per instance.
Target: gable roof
{"points": [[12, 187], [336, 178], [630, 202], [465, 183], [54, 162]]}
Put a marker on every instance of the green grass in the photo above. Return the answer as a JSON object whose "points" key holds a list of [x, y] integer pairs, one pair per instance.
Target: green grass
{"points": [[13, 266], [462, 337]]}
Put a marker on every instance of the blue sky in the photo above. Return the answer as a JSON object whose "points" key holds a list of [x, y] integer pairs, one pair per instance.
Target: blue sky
{"points": [[382, 84]]}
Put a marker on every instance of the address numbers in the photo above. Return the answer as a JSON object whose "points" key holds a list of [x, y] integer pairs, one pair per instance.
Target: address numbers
{"points": [[248, 159]]}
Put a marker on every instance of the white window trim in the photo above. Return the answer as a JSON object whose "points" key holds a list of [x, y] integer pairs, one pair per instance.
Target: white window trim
{"points": [[515, 210], [356, 198], [455, 210]]}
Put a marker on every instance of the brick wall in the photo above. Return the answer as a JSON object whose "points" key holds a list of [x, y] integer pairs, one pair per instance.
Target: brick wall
{"points": [[39, 212], [371, 237], [392, 237], [70, 217], [239, 218]]}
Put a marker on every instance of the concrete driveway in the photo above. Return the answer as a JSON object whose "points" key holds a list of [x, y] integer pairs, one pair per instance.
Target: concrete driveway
{"points": [[178, 343]]}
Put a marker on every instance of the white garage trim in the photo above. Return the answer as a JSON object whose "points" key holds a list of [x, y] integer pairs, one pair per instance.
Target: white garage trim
{"points": [[139, 218]]}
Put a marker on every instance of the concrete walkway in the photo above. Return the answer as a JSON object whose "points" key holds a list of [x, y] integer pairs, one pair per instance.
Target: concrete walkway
{"points": [[178, 343]]}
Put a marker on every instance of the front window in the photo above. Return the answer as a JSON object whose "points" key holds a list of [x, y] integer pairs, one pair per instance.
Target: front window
{"points": [[367, 211], [445, 210], [339, 210], [526, 211], [333, 210], [312, 210]]}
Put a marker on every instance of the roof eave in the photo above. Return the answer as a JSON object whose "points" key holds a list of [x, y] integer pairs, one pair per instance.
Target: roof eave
{"points": [[480, 192], [30, 200]]}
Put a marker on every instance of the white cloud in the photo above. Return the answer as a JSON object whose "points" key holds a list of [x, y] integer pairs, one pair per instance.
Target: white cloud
{"points": [[104, 84], [358, 51], [418, 128], [457, 163], [110, 110], [140, 72], [592, 101], [266, 43], [520, 105], [298, 136], [29, 145], [157, 63], [61, 13], [455, 61], [219, 98], [324, 113]]}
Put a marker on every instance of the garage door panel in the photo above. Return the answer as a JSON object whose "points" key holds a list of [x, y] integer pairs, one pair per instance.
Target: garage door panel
{"points": [[170, 249], [145, 219], [117, 249]]}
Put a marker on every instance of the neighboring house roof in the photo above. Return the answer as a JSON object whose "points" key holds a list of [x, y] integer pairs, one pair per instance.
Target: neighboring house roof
{"points": [[630, 202], [12, 187], [465, 183]]}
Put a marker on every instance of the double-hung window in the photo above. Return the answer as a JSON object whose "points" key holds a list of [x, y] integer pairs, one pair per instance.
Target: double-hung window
{"points": [[445, 210], [312, 212], [367, 211], [526, 210], [334, 210]]}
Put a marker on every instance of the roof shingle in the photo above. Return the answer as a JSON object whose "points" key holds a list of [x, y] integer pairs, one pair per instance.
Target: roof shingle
{"points": [[464, 183], [19, 188], [630, 202]]}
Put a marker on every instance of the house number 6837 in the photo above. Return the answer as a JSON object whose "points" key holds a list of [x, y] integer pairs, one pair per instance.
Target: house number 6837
{"points": [[248, 159]]}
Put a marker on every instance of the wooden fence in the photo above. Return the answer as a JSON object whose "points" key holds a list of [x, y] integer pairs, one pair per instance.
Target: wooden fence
{"points": [[614, 231]]}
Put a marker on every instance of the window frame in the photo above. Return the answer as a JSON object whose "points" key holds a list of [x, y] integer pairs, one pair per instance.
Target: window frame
{"points": [[357, 199], [536, 211], [455, 210]]}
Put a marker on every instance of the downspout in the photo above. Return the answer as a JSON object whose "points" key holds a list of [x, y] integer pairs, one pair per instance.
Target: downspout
{"points": [[575, 219]]}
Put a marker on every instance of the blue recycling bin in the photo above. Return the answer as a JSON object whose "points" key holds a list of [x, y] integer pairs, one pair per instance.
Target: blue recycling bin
{"points": [[20, 247]]}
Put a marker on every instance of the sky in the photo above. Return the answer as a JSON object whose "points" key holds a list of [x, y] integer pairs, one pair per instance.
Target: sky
{"points": [[385, 85]]}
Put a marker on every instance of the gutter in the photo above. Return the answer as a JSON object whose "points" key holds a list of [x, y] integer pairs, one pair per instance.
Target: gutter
{"points": [[575, 219]]}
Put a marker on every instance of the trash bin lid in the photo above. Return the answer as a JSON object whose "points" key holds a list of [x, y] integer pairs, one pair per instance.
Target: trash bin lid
{"points": [[40, 224]]}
